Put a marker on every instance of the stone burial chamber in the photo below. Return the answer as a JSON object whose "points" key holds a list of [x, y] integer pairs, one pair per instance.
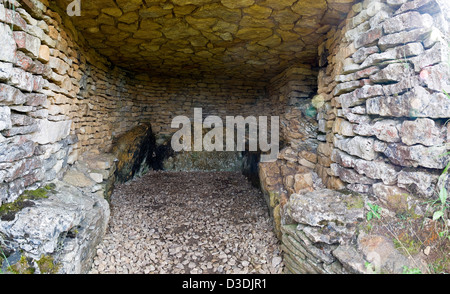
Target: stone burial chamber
{"points": [[360, 88]]}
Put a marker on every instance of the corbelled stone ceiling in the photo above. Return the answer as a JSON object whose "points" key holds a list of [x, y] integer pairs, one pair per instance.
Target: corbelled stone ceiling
{"points": [[252, 39]]}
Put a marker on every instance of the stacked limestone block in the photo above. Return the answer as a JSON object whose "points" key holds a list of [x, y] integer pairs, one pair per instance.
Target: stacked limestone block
{"points": [[63, 225], [382, 118], [293, 171], [55, 97], [59, 100], [330, 57], [160, 99], [293, 87], [35, 127], [385, 109], [315, 224], [101, 97], [41, 74]]}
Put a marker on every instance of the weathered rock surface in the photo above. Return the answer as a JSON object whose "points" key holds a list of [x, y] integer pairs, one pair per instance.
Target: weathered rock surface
{"points": [[51, 132], [422, 131], [9, 47], [418, 155], [134, 150], [376, 251], [327, 209], [417, 103], [67, 226], [373, 169], [387, 101], [357, 146]]}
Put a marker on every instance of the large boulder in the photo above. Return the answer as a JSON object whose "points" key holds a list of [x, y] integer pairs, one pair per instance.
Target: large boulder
{"points": [[63, 225], [135, 151]]}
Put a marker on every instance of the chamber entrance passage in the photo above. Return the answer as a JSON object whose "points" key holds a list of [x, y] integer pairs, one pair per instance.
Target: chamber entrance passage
{"points": [[90, 91]]}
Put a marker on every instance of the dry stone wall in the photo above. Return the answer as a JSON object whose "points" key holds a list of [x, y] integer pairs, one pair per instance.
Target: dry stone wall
{"points": [[159, 99], [382, 124], [293, 90], [239, 38], [294, 87], [55, 97], [385, 112], [36, 135], [60, 100], [61, 107], [43, 69]]}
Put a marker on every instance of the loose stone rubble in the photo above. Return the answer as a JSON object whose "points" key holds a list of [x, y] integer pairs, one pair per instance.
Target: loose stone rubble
{"points": [[188, 222]]}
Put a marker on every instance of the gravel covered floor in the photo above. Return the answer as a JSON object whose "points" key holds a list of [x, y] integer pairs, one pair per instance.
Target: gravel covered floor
{"points": [[189, 222]]}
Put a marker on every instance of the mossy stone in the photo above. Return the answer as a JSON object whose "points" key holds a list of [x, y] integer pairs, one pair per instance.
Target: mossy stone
{"points": [[9, 210], [47, 265]]}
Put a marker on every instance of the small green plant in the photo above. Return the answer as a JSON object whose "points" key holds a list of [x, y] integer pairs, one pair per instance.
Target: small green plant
{"points": [[374, 211], [448, 95], [408, 244], [370, 268], [22, 267], [411, 271], [3, 258], [440, 214], [443, 204], [440, 265], [443, 195]]}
